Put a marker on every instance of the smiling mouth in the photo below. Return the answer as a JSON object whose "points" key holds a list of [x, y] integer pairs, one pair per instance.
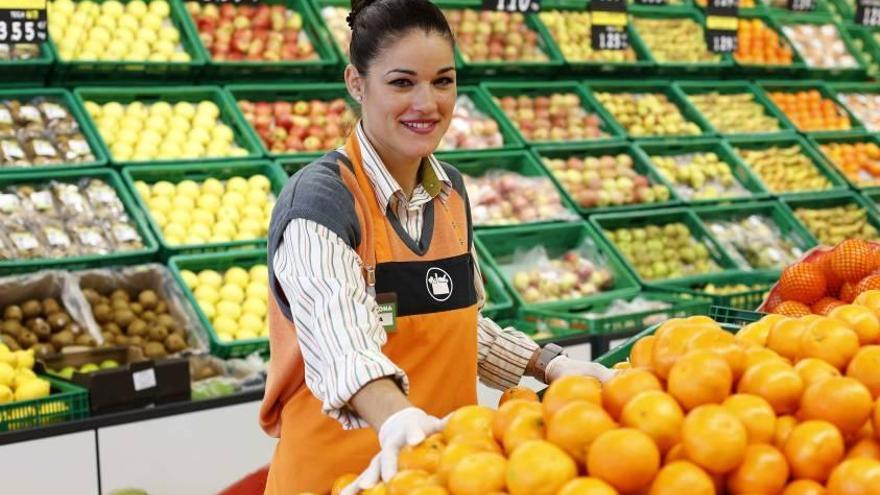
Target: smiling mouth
{"points": [[420, 126]]}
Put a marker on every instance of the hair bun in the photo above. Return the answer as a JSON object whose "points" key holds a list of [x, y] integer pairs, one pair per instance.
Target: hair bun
{"points": [[357, 6]]}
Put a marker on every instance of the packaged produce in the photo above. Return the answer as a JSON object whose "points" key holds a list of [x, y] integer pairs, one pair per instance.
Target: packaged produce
{"points": [[859, 162], [214, 377], [697, 176], [784, 169], [755, 242], [663, 251], [552, 117], [19, 51], [865, 106], [114, 31], [675, 40], [810, 111], [40, 131], [760, 44], [733, 113], [490, 36], [501, 197], [647, 114], [832, 225], [299, 126], [599, 181], [620, 307], [164, 131], [470, 128], [334, 17], [252, 33], [234, 301], [571, 31], [820, 45]]}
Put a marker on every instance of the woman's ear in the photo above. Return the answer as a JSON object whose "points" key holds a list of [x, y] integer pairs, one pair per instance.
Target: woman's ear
{"points": [[355, 83]]}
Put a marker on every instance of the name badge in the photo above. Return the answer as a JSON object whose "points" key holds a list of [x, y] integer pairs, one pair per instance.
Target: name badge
{"points": [[387, 302]]}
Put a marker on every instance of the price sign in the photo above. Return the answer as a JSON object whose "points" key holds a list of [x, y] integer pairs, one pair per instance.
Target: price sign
{"points": [[23, 21], [868, 12], [524, 6], [609, 21], [721, 25], [802, 5], [651, 2]]}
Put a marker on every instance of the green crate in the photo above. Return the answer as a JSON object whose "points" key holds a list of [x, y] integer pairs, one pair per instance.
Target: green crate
{"points": [[855, 73], [830, 200], [734, 87], [220, 262], [316, 6], [621, 353], [499, 90], [797, 86], [498, 302], [63, 97], [757, 284], [293, 165], [733, 316], [843, 138], [483, 101], [501, 244], [841, 88], [32, 72], [675, 96], [740, 171], [132, 209], [789, 227], [229, 114], [640, 165], [869, 47], [836, 182], [198, 173], [872, 197], [326, 64], [81, 72], [65, 402]]}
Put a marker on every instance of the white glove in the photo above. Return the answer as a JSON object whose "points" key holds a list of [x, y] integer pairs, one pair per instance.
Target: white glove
{"points": [[563, 366], [408, 426]]}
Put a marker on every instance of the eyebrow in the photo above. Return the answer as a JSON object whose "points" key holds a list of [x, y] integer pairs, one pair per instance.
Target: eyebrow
{"points": [[413, 73]]}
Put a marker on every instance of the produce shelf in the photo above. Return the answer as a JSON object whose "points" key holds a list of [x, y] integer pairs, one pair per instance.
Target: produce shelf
{"points": [[831, 200], [794, 86], [31, 72], [65, 402], [816, 18], [751, 288], [849, 137], [690, 88]]}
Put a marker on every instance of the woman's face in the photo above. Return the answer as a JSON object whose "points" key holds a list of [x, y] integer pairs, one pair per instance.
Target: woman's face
{"points": [[408, 95]]}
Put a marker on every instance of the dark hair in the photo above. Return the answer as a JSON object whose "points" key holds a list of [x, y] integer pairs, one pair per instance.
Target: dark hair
{"points": [[376, 22]]}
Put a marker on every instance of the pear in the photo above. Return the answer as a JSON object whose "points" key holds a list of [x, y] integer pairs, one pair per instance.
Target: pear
{"points": [[32, 389]]}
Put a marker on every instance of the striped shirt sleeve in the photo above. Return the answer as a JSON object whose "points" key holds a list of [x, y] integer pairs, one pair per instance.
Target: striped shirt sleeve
{"points": [[337, 322]]}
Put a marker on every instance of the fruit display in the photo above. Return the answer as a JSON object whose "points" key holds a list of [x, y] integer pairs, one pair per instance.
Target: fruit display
{"points": [[760, 44], [647, 114], [784, 169], [865, 106], [734, 113], [663, 251], [18, 381], [42, 327], [675, 40], [810, 111], [820, 45], [211, 211], [857, 161], [501, 197], [576, 274], [470, 128], [234, 301], [19, 51], [490, 36], [334, 18], [699, 176], [552, 117], [251, 33], [40, 131], [63, 219], [68, 371], [744, 4], [834, 224], [755, 242], [114, 31], [606, 180], [299, 126], [164, 130], [571, 32]]}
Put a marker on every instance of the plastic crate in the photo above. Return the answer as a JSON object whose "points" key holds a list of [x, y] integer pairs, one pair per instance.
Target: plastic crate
{"points": [[483, 102], [734, 87], [32, 72], [865, 42], [63, 97], [841, 88], [844, 138], [229, 114], [756, 285], [316, 6], [498, 302], [499, 90], [66, 402], [611, 221], [640, 165], [796, 69], [798, 86], [81, 72], [500, 245], [663, 87], [733, 316], [836, 183], [133, 210], [830, 200], [621, 353], [220, 262], [853, 73], [326, 64], [740, 171]]}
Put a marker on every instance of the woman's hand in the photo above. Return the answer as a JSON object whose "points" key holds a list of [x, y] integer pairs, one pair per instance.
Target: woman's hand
{"points": [[564, 366]]}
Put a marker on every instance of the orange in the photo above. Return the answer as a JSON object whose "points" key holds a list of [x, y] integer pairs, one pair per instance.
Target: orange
{"points": [[452, 455], [426, 490], [826, 305], [478, 473], [641, 354], [714, 438], [813, 449], [763, 470], [671, 345], [792, 308], [469, 420], [849, 291], [785, 336], [484, 442], [755, 414], [723, 344], [871, 282], [875, 418], [676, 453], [784, 425], [623, 387], [625, 458], [622, 365], [755, 355], [812, 370], [700, 377], [829, 340], [539, 468], [852, 259], [865, 367], [802, 282], [587, 486], [657, 414], [777, 382], [425, 456], [576, 426], [855, 477], [866, 448], [870, 299], [860, 319], [518, 392], [525, 426], [804, 487], [754, 333], [681, 477], [342, 482], [571, 388], [405, 481], [382, 489], [508, 411], [842, 401]]}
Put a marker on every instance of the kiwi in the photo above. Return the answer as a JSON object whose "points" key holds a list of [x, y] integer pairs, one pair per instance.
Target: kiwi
{"points": [[111, 327], [31, 308], [165, 320], [120, 294], [41, 329], [62, 339], [27, 339], [108, 337], [50, 305], [155, 350], [136, 308], [85, 339], [10, 342], [148, 316], [123, 317], [161, 307], [43, 350], [119, 304], [10, 327], [121, 340], [58, 320], [73, 328], [136, 327], [13, 312], [103, 313], [148, 299], [158, 333], [92, 296], [136, 340], [175, 343]]}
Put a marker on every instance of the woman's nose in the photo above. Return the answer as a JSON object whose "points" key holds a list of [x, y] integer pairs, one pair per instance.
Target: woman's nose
{"points": [[424, 99]]}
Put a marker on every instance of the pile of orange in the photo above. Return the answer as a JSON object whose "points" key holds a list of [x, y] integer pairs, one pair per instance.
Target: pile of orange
{"points": [[810, 111], [786, 406], [759, 44], [859, 162]]}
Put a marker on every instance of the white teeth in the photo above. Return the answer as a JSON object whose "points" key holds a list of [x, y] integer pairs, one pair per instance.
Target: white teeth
{"points": [[417, 125]]}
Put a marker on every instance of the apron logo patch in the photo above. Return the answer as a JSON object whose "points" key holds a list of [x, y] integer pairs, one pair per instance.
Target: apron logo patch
{"points": [[439, 284]]}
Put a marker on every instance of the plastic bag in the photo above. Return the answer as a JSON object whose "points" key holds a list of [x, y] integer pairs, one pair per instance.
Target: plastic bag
{"points": [[501, 197], [227, 376], [755, 242]]}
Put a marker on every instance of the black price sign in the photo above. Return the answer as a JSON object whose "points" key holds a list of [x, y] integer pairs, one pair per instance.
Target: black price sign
{"points": [[23, 21], [802, 5], [608, 31], [524, 6], [651, 2], [721, 25], [868, 12]]}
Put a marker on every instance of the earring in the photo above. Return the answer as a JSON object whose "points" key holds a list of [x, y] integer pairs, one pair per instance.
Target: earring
{"points": [[360, 98]]}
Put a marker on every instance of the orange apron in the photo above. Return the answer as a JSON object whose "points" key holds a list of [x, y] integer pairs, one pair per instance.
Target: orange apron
{"points": [[438, 352]]}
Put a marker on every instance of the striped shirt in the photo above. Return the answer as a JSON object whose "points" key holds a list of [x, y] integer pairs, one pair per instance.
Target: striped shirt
{"points": [[337, 321]]}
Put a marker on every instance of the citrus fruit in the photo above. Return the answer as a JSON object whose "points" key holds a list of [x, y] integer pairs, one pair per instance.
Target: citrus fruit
{"points": [[671, 345], [860, 319], [478, 474], [576, 426], [755, 414], [829, 340], [469, 419], [526, 426], [424, 456], [804, 487], [826, 305], [785, 336], [508, 411], [867, 448], [657, 414], [405, 481], [700, 377], [568, 389], [342, 482], [587, 486], [538, 468], [792, 308], [714, 438], [775, 381], [680, 477], [518, 392], [812, 370], [723, 344], [851, 260], [625, 458], [802, 282], [813, 449], [841, 401], [763, 470], [641, 354], [784, 425], [865, 367], [855, 477], [619, 390], [754, 333]]}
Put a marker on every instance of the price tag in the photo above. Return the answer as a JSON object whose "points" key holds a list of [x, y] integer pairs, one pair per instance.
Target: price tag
{"points": [[609, 22], [23, 21], [721, 25], [144, 379], [868, 12], [802, 5], [651, 2], [524, 6]]}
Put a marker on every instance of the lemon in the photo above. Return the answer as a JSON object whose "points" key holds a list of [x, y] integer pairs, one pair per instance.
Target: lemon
{"points": [[189, 278], [25, 359], [224, 324], [207, 293], [33, 389], [246, 334], [214, 187], [211, 278], [7, 374], [237, 275], [257, 290], [208, 309], [5, 394], [250, 322], [229, 310], [22, 376], [254, 306], [164, 188]]}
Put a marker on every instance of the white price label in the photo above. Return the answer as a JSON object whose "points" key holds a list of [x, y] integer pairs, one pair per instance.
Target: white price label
{"points": [[144, 379], [524, 6]]}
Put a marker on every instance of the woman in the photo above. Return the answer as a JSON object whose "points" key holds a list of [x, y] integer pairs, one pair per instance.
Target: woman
{"points": [[374, 316]]}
